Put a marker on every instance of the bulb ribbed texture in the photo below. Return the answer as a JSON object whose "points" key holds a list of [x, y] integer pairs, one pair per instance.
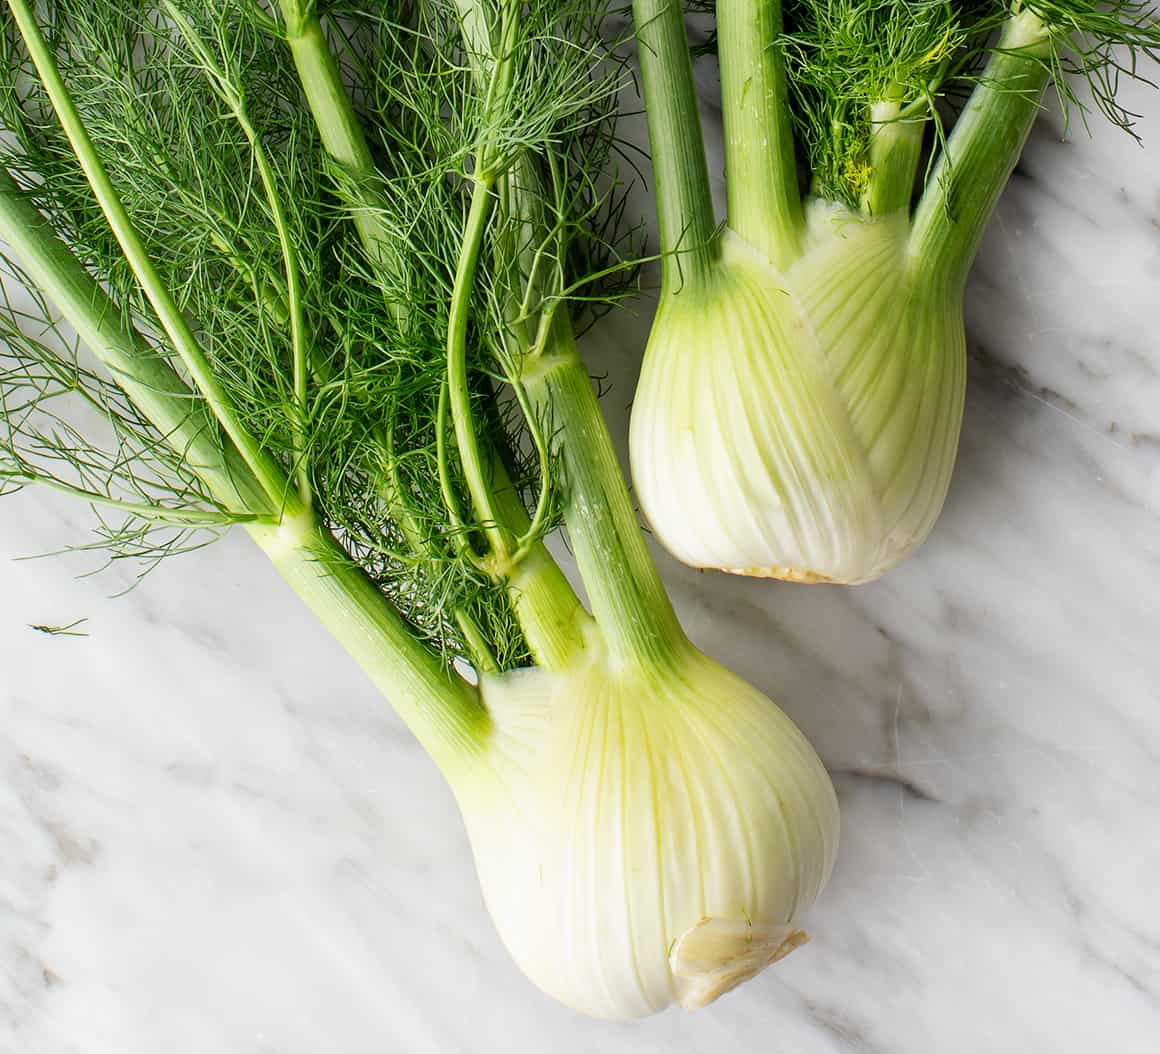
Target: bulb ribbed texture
{"points": [[802, 425], [645, 836]]}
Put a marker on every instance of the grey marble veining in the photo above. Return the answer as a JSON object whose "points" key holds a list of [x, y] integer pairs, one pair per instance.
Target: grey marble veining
{"points": [[215, 837]]}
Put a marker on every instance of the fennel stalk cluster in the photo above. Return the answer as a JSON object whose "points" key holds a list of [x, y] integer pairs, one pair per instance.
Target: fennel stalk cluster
{"points": [[320, 281]]}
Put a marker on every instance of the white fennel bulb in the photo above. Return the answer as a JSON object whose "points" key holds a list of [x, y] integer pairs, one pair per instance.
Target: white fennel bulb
{"points": [[802, 424], [645, 836]]}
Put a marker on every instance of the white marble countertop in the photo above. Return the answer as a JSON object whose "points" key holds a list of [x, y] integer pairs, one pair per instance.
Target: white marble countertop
{"points": [[215, 837]]}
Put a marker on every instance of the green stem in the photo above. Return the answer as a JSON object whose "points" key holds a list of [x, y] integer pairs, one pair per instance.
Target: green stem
{"points": [[140, 370], [298, 340], [263, 466], [342, 135], [141, 510], [445, 714], [520, 251], [479, 651], [684, 204], [476, 34], [982, 152], [550, 614], [459, 393], [765, 206], [231, 95], [895, 146], [625, 591], [548, 609]]}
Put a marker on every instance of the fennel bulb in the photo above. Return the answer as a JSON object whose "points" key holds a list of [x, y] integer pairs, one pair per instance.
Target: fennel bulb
{"points": [[802, 390], [645, 835], [296, 321], [801, 424]]}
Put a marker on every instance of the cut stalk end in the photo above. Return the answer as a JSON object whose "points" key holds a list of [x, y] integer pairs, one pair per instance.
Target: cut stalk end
{"points": [[716, 955]]}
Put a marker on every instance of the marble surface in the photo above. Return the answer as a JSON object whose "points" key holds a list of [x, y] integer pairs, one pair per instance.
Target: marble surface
{"points": [[215, 837]]}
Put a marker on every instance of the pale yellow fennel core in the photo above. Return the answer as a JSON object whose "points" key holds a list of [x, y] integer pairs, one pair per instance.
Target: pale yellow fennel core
{"points": [[716, 955]]}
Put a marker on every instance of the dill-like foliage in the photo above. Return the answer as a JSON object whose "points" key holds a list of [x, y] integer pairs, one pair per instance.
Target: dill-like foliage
{"points": [[196, 112], [65, 425], [843, 56], [1100, 43]]}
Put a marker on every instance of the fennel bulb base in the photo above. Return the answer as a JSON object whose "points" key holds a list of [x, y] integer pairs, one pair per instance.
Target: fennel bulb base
{"points": [[785, 574]]}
